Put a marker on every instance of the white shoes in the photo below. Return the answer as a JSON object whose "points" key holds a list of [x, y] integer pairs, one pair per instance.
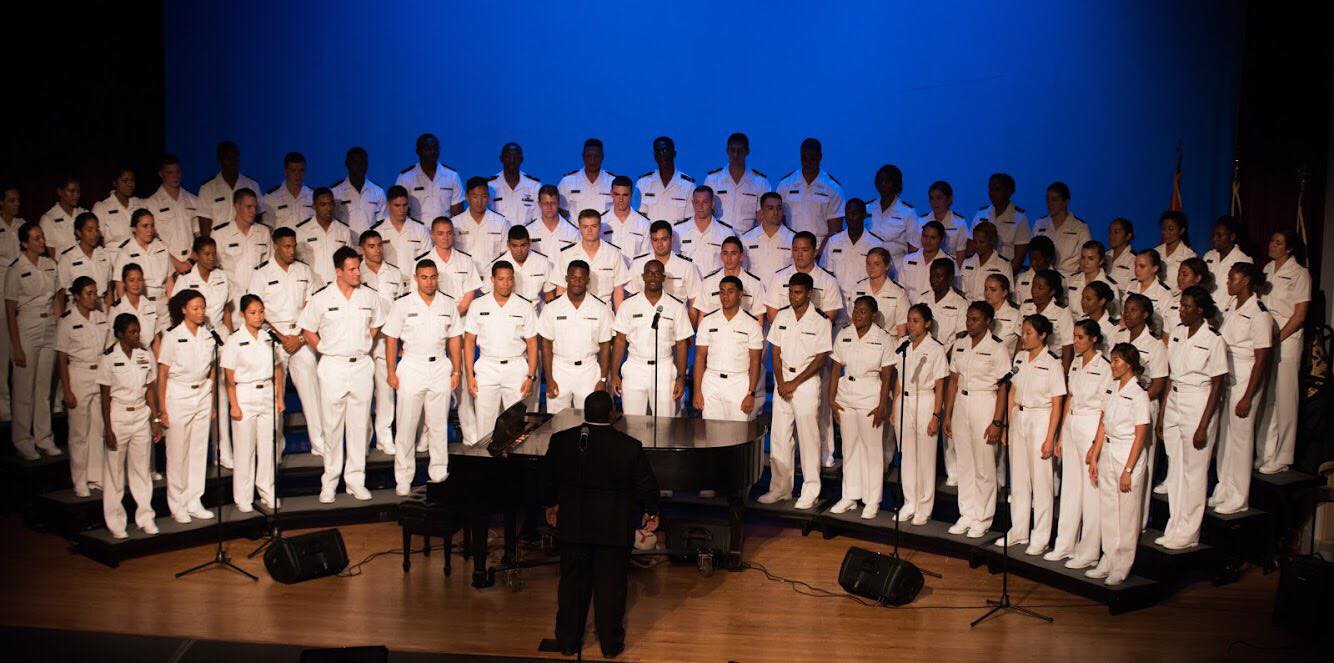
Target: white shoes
{"points": [[150, 528], [1034, 549], [976, 532], [1227, 509], [1160, 541], [359, 492], [201, 513], [1097, 572], [772, 497], [959, 527], [402, 491], [904, 515], [1273, 469], [388, 449], [245, 508], [1057, 555], [806, 502], [52, 451], [326, 496], [82, 491], [1214, 500], [422, 447], [921, 519], [1113, 581], [157, 476], [120, 535], [182, 518], [1000, 543], [1077, 563], [1160, 489], [843, 505], [870, 511], [1178, 545], [951, 481]]}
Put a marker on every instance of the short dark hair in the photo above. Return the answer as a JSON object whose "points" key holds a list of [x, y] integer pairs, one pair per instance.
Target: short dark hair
{"points": [[201, 242], [395, 192], [770, 194], [893, 173], [941, 186], [499, 265], [425, 263], [139, 214], [936, 226], [243, 193], [869, 301], [732, 280], [248, 299], [812, 144], [80, 283], [733, 239], [598, 407], [441, 220], [1004, 179], [801, 279], [659, 225], [225, 146], [356, 150], [293, 157], [806, 235], [590, 214], [593, 142], [130, 267], [25, 231], [1060, 188], [946, 264], [82, 220], [987, 310], [622, 180], [365, 236], [548, 190], [739, 137], [704, 188], [474, 182], [1040, 324], [283, 232], [169, 159], [578, 264], [343, 254], [1042, 245], [517, 232]]}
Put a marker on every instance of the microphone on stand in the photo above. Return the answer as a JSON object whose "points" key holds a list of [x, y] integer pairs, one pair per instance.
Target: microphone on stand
{"points": [[273, 336], [1005, 380], [903, 347], [214, 333], [656, 315]]}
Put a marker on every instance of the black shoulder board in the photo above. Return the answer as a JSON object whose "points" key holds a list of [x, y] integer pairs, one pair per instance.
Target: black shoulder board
{"points": [[748, 313], [788, 175], [758, 173], [573, 172], [647, 174], [406, 170], [261, 265], [834, 179], [785, 307], [683, 221], [173, 326], [875, 235], [1053, 355], [589, 294], [279, 186], [1110, 279], [369, 287], [66, 313], [995, 338], [109, 349], [127, 241], [216, 228], [522, 297], [460, 252], [322, 288], [685, 258], [67, 250], [961, 334], [1019, 209], [715, 170], [722, 223], [569, 246], [377, 224], [304, 222], [822, 313], [492, 178], [392, 265], [673, 297], [608, 243], [1260, 304], [713, 272], [687, 177], [403, 295], [983, 208]]}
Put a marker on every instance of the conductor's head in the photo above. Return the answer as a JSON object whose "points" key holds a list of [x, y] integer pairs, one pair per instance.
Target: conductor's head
{"points": [[597, 408]]}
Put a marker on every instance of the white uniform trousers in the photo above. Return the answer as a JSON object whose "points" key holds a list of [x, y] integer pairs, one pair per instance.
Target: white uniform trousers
{"points": [[188, 414], [723, 393], [6, 362], [1278, 443], [576, 379], [1236, 438], [32, 389], [917, 468], [1150, 451], [498, 385], [130, 459], [85, 425], [637, 387], [1031, 489], [863, 443], [826, 422], [346, 384], [1078, 527], [383, 422], [975, 459], [423, 384], [301, 367], [799, 414], [467, 412], [224, 406], [1119, 513], [1187, 467], [252, 443]]}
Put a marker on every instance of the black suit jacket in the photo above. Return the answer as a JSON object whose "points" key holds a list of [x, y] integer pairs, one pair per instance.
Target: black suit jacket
{"points": [[602, 490]]}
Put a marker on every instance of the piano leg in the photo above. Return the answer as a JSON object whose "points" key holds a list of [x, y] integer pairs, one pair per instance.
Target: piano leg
{"points": [[736, 513], [481, 575], [511, 538]]}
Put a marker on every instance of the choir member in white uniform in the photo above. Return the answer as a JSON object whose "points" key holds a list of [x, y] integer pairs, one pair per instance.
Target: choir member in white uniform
{"points": [[386, 281], [1248, 333], [255, 384], [403, 237], [700, 238], [622, 226], [86, 258], [1119, 263], [864, 355], [974, 407], [185, 383], [550, 232], [576, 333], [1066, 231], [769, 244], [1175, 247], [737, 188], [432, 194], [915, 272], [9, 251], [136, 302], [143, 249], [532, 269], [318, 236], [636, 336], [608, 274], [1036, 398], [243, 244], [359, 201], [728, 350], [514, 192], [289, 202], [752, 290], [1288, 299], [921, 372], [499, 349], [208, 280], [1148, 283], [425, 324], [940, 197], [217, 196], [113, 212], [30, 285], [1136, 329], [130, 425], [1093, 303], [800, 336], [948, 307], [891, 312], [664, 192], [891, 217], [1117, 467], [682, 277], [1191, 272], [588, 187], [1091, 259], [1005, 323], [1198, 368], [58, 222], [1078, 526], [812, 198], [80, 333], [845, 252], [480, 232], [1224, 254], [1041, 255], [1010, 220], [1048, 301], [985, 261]]}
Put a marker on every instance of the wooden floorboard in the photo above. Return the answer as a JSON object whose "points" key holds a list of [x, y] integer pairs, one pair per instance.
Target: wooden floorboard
{"points": [[676, 614]]}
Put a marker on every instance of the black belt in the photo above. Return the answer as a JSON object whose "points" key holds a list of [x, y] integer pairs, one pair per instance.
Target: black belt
{"points": [[651, 362], [1044, 407], [791, 369], [965, 392], [853, 378]]}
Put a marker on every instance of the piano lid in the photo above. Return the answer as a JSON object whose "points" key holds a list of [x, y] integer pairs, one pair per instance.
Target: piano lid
{"points": [[674, 433]]}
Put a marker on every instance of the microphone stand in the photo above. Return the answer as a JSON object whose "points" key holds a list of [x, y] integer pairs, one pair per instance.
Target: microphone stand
{"points": [[657, 315], [275, 530], [1004, 604], [903, 402], [220, 557]]}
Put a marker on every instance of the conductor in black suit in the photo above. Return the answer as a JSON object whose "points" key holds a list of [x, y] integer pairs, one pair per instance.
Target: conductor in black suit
{"points": [[600, 490]]}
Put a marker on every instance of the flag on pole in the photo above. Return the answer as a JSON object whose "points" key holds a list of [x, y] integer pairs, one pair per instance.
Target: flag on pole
{"points": [[1301, 193], [1175, 205], [1235, 209]]}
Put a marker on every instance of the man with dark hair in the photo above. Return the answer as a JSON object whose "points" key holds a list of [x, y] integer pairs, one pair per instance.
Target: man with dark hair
{"points": [[215, 195], [813, 200], [402, 235], [433, 188], [752, 289], [459, 275], [514, 192], [700, 238], [681, 274], [58, 222], [243, 243], [769, 244], [575, 331], [845, 252], [1012, 231], [736, 188], [550, 232], [825, 292], [318, 236], [289, 202], [622, 225], [499, 350], [727, 357], [608, 274], [892, 217], [531, 268], [588, 187], [599, 488], [480, 231], [175, 214], [636, 338], [664, 192], [358, 202], [386, 280]]}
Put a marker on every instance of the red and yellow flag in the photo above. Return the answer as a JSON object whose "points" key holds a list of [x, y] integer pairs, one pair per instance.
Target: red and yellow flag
{"points": [[1175, 204]]}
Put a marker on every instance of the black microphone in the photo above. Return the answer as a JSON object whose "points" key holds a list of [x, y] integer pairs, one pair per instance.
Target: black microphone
{"points": [[903, 347], [214, 333], [1005, 380], [656, 314], [583, 439], [273, 336]]}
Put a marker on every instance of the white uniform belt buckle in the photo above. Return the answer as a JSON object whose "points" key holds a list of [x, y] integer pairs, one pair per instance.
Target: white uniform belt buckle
{"points": [[965, 392], [1022, 408], [651, 362], [131, 408], [433, 358], [196, 386], [44, 315]]}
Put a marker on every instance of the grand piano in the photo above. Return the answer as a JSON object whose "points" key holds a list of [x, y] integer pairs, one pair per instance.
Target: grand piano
{"points": [[687, 455]]}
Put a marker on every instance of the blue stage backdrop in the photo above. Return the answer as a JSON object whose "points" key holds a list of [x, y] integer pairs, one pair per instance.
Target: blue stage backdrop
{"points": [[1096, 94]]}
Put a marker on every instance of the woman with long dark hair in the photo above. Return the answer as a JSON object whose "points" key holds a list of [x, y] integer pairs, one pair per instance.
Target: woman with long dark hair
{"points": [[185, 383], [1288, 298], [1088, 379]]}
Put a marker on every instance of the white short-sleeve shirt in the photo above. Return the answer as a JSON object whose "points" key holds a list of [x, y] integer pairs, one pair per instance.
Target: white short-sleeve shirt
{"points": [[1289, 286], [635, 320], [575, 332], [729, 341], [891, 300], [736, 202], [1069, 240], [315, 244], [215, 198], [801, 339], [1062, 323], [1248, 327], [401, 244], [607, 268], [682, 277], [703, 247], [980, 365], [1124, 407], [629, 235], [810, 205], [1011, 226], [81, 338], [826, 296], [74, 263], [752, 292], [344, 323], [188, 356], [670, 202], [283, 209], [1037, 380], [1195, 359], [578, 193], [429, 198], [518, 204], [1088, 384], [424, 329], [152, 259], [126, 375], [359, 210], [250, 357], [284, 291], [551, 240], [502, 330], [767, 254]]}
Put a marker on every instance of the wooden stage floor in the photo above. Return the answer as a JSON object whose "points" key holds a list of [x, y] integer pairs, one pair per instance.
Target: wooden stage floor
{"points": [[676, 614]]}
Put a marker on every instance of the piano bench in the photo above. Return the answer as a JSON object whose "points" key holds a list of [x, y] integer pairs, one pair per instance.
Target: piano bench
{"points": [[431, 520]]}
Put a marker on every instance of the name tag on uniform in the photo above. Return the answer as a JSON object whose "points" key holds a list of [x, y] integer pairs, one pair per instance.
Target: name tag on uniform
{"points": [[483, 313], [713, 329], [560, 317], [234, 245], [118, 364], [243, 343], [637, 315], [273, 283]]}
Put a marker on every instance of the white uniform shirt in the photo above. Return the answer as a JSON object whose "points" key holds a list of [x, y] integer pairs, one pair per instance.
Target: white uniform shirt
{"points": [[250, 357], [388, 283], [1021, 289], [1037, 380], [915, 273], [315, 246], [58, 228], [517, 204], [1172, 316], [862, 358], [9, 244], [703, 247], [1219, 266], [682, 279], [458, 275], [344, 324], [1011, 226], [423, 330], [635, 320], [153, 260], [1158, 295], [216, 290], [736, 203], [981, 366], [1069, 240], [949, 315], [150, 325], [847, 259], [188, 357], [809, 205], [925, 363], [1075, 284], [1088, 384], [1152, 352], [577, 193], [239, 253], [176, 221], [73, 263], [669, 203], [551, 240], [282, 209], [957, 231], [284, 291], [891, 300], [631, 235], [81, 338], [607, 268], [1172, 263], [826, 296], [730, 341], [766, 254], [431, 198], [1006, 324], [483, 240], [502, 330], [973, 274], [32, 287], [1124, 407], [1193, 360], [401, 244], [215, 197], [127, 375], [800, 339], [1062, 323], [1289, 286], [530, 278], [1106, 324], [898, 225], [1247, 328], [575, 332], [752, 293], [358, 209], [1122, 267], [113, 218]]}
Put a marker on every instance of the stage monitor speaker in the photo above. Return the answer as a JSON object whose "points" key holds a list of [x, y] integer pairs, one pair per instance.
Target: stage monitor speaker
{"points": [[687, 538], [881, 578], [1304, 586], [293, 559]]}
